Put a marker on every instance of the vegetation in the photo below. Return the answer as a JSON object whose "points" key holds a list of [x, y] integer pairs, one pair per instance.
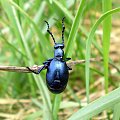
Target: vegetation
{"points": [[92, 31]]}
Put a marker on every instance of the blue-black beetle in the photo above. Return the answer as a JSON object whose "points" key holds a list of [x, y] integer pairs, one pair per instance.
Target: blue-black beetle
{"points": [[57, 70]]}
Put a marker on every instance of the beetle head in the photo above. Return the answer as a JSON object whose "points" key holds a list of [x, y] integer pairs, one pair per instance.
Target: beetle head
{"points": [[58, 45], [58, 53]]}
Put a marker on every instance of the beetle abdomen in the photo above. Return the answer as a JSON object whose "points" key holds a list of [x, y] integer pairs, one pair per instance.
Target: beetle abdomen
{"points": [[57, 76]]}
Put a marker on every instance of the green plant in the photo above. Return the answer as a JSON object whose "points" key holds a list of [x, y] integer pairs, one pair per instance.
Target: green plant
{"points": [[24, 42]]}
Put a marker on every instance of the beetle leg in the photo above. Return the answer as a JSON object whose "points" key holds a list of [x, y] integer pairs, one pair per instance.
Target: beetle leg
{"points": [[66, 59], [39, 70], [48, 61], [69, 68], [46, 64]]}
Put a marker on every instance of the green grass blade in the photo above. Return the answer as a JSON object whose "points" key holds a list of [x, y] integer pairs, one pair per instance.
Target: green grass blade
{"points": [[74, 29], [11, 12], [34, 115], [13, 47], [107, 5], [63, 9], [45, 95], [88, 46], [116, 114], [41, 85], [7, 8], [22, 37], [38, 32], [56, 106], [97, 106]]}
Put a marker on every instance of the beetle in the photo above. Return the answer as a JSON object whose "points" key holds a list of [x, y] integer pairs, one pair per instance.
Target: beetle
{"points": [[57, 70]]}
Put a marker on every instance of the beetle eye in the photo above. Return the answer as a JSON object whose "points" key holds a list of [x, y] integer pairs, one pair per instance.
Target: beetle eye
{"points": [[56, 47], [61, 47]]}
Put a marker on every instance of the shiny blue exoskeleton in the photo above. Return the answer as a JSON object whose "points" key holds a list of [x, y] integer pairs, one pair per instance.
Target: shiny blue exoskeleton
{"points": [[57, 70]]}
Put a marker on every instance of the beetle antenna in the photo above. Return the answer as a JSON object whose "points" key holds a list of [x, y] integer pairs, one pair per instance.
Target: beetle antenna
{"points": [[63, 29], [48, 30]]}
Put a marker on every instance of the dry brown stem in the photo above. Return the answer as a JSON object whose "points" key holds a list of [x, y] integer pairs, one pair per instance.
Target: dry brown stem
{"points": [[36, 67]]}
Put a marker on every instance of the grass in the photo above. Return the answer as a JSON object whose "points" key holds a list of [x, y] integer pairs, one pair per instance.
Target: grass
{"points": [[24, 41], [107, 5]]}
